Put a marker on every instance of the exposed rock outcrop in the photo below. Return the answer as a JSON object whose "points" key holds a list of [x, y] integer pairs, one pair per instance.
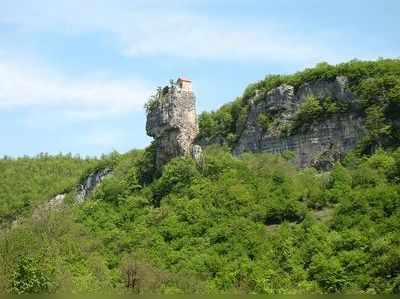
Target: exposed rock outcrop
{"points": [[318, 143], [172, 121], [90, 183], [54, 204], [272, 125], [57, 203]]}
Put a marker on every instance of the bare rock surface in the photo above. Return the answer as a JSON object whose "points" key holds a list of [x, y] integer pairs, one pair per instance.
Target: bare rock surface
{"points": [[172, 122], [318, 144], [90, 183]]}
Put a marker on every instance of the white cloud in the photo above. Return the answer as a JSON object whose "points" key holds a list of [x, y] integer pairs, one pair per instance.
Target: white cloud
{"points": [[168, 29], [27, 85], [202, 37]]}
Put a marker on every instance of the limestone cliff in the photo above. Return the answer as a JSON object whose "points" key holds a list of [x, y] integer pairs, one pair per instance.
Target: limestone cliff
{"points": [[90, 183], [172, 121], [272, 123]]}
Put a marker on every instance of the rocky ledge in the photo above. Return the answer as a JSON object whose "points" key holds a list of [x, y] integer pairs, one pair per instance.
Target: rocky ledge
{"points": [[172, 121], [277, 122]]}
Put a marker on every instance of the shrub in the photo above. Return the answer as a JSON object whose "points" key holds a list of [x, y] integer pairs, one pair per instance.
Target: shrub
{"points": [[264, 121], [176, 176], [28, 278]]}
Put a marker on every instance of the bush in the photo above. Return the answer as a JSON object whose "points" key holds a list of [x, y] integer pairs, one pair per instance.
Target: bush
{"points": [[310, 110], [28, 278], [264, 121], [112, 189], [176, 177]]}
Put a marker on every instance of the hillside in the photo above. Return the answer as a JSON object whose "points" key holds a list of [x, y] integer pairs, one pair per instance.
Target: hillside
{"points": [[26, 182], [319, 113], [252, 222]]}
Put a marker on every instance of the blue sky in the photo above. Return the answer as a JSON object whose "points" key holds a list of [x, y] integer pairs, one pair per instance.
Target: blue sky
{"points": [[75, 74]]}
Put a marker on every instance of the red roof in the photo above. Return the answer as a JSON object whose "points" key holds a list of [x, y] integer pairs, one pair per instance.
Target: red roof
{"points": [[184, 79]]}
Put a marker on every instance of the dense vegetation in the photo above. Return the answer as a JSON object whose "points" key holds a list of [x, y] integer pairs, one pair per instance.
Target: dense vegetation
{"points": [[228, 224], [376, 85], [25, 182], [232, 224]]}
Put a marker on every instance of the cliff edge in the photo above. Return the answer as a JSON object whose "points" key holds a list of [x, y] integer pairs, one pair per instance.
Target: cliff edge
{"points": [[172, 121], [317, 122]]}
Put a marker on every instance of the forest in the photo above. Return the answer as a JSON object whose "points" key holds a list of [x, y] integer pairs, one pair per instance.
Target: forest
{"points": [[248, 224]]}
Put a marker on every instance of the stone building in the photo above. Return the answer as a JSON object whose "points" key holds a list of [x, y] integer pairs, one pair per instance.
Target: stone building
{"points": [[184, 84]]}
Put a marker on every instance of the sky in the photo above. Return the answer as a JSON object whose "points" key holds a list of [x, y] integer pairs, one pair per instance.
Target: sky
{"points": [[75, 74]]}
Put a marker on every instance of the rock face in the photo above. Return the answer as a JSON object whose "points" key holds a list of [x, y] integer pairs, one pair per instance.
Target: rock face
{"points": [[54, 204], [318, 143], [272, 123], [90, 183], [172, 121]]}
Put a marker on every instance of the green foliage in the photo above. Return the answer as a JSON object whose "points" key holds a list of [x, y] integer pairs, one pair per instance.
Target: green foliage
{"points": [[176, 176], [329, 273], [377, 126], [112, 189], [25, 182], [310, 110], [146, 166], [159, 96], [28, 278], [222, 124], [264, 121], [375, 84], [248, 224], [314, 109], [155, 99], [51, 253]]}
